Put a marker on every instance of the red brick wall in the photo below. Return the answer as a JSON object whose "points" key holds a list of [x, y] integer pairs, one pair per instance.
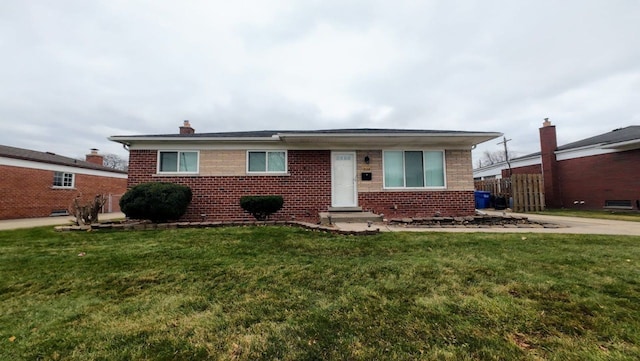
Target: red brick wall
{"points": [[419, 204], [26, 192], [142, 164], [529, 169], [306, 191], [614, 176]]}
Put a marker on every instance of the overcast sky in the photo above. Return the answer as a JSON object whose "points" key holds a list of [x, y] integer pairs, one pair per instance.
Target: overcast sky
{"points": [[75, 72]]}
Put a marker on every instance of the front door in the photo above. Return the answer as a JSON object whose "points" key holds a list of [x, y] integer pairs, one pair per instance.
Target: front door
{"points": [[343, 179]]}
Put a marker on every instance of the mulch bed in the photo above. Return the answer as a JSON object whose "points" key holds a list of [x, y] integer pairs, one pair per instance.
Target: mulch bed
{"points": [[130, 225], [479, 221]]}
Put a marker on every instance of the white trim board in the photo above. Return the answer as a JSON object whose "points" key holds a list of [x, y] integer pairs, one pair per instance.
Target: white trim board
{"points": [[285, 146], [21, 163]]}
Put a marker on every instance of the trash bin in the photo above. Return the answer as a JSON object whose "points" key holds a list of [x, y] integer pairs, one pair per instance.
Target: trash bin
{"points": [[501, 203], [483, 199]]}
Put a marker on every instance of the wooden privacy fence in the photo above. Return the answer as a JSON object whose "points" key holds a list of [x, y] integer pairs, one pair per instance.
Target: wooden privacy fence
{"points": [[497, 187], [112, 204], [526, 190]]}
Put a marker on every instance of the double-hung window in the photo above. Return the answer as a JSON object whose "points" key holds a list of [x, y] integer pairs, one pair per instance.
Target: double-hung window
{"points": [[63, 180], [271, 161], [413, 169], [177, 162]]}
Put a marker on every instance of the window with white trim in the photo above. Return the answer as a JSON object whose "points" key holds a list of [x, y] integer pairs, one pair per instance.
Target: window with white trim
{"points": [[271, 161], [177, 162], [413, 169], [63, 179]]}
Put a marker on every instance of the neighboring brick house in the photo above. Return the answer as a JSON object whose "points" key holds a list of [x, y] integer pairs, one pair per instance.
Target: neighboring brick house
{"points": [[41, 184], [394, 172], [593, 173]]}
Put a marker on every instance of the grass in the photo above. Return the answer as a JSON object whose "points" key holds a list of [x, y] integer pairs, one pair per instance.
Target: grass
{"points": [[632, 216], [277, 293]]}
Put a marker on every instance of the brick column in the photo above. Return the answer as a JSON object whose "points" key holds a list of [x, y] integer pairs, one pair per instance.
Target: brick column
{"points": [[548, 146], [94, 157], [186, 128]]}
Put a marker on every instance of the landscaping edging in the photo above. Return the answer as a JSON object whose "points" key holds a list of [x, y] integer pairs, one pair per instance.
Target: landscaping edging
{"points": [[479, 221], [140, 226]]}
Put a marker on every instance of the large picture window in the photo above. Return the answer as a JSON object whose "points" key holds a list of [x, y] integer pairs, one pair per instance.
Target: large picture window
{"points": [[62, 180], [178, 162], [267, 161], [413, 169]]}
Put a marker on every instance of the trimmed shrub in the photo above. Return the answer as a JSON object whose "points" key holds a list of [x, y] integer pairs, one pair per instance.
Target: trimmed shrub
{"points": [[157, 202], [261, 207]]}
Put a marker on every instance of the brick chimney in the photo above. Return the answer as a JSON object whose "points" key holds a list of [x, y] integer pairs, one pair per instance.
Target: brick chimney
{"points": [[94, 157], [548, 147], [186, 128]]}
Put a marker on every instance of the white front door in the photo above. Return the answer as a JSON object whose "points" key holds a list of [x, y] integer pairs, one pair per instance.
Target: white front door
{"points": [[343, 179]]}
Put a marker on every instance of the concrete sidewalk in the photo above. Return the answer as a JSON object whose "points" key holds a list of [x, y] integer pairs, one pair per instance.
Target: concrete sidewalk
{"points": [[568, 225], [50, 221]]}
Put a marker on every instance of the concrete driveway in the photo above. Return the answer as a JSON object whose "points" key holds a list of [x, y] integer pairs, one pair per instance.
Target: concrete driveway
{"points": [[567, 225], [49, 221]]}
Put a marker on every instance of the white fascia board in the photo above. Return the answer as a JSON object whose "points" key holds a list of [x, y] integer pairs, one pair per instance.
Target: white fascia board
{"points": [[524, 162], [583, 152], [386, 135], [627, 145], [269, 145], [455, 139], [12, 162], [131, 140], [488, 172], [301, 141], [207, 146], [443, 139]]}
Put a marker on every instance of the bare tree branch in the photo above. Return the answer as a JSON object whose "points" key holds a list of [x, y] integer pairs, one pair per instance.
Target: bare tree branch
{"points": [[489, 158], [115, 161]]}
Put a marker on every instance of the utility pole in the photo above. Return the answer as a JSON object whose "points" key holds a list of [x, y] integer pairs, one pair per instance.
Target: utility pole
{"points": [[506, 153]]}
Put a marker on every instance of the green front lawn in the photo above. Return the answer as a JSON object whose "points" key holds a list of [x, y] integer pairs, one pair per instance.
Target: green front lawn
{"points": [[290, 294]]}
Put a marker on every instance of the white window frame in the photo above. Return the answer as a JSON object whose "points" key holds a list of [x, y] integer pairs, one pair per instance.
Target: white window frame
{"points": [[158, 171], [64, 174], [266, 171], [444, 169]]}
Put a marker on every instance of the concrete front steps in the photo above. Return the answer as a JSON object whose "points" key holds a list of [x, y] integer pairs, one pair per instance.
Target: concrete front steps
{"points": [[348, 215]]}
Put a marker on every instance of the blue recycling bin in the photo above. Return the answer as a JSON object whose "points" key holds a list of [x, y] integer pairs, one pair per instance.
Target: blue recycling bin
{"points": [[483, 199]]}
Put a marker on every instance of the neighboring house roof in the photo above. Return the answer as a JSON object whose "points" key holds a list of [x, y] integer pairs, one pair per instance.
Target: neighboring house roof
{"points": [[50, 158], [607, 140], [616, 140], [496, 168], [328, 136]]}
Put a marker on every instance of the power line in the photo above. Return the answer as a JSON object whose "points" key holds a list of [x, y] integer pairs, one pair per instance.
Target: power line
{"points": [[506, 152]]}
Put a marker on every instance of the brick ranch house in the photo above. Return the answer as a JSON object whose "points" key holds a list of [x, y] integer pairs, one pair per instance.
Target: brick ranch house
{"points": [[599, 172], [387, 171], [41, 184]]}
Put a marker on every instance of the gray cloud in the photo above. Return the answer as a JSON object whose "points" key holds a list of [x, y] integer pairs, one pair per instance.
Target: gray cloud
{"points": [[76, 72]]}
